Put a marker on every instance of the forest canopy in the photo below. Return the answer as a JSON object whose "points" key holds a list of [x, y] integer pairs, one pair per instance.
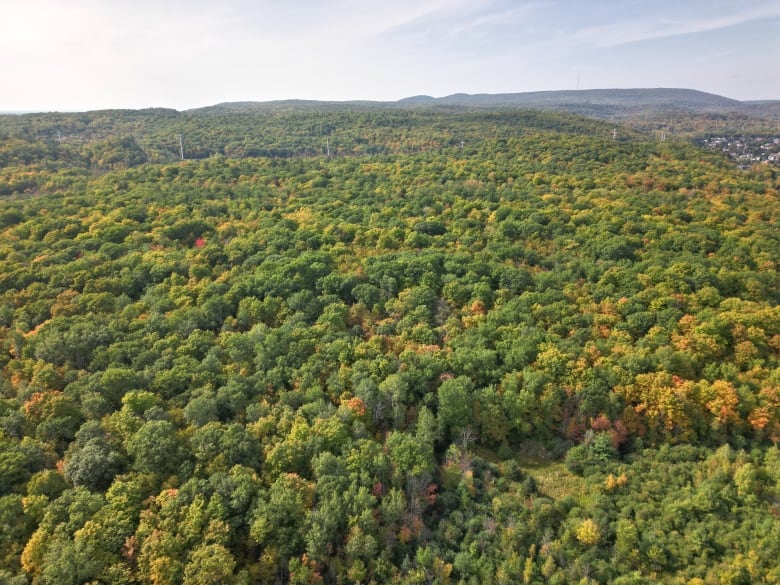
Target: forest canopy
{"points": [[384, 346]]}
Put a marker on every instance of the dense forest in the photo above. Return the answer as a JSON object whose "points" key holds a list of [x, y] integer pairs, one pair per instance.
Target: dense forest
{"points": [[357, 345]]}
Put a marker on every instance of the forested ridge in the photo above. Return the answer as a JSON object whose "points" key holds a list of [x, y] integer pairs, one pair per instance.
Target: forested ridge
{"points": [[466, 347]]}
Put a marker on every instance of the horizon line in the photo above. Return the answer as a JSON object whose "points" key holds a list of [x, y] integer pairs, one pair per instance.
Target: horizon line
{"points": [[357, 101]]}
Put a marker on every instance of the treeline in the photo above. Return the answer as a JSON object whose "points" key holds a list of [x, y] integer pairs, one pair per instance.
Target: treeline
{"points": [[545, 356], [121, 139]]}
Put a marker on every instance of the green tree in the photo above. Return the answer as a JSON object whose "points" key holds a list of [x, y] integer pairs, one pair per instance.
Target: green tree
{"points": [[279, 515], [92, 465], [456, 397], [210, 564], [155, 448]]}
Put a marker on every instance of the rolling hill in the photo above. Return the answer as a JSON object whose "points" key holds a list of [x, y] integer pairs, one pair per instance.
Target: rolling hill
{"points": [[602, 103]]}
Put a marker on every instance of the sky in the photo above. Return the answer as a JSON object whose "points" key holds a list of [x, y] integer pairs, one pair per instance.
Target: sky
{"points": [[77, 55]]}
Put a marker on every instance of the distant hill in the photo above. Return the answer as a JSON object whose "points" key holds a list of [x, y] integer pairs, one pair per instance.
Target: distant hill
{"points": [[288, 105], [596, 103], [769, 109], [687, 99], [418, 99]]}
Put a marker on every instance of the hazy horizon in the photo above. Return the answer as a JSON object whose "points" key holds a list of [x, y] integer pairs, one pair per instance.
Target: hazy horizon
{"points": [[348, 101], [103, 54]]}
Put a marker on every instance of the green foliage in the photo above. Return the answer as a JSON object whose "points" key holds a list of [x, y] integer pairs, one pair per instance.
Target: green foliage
{"points": [[210, 564], [455, 406], [154, 447], [545, 356], [92, 465]]}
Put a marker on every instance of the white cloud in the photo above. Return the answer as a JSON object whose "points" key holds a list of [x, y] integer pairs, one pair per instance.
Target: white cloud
{"points": [[185, 53], [663, 26]]}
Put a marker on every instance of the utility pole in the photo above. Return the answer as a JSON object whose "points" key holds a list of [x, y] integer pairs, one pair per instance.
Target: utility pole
{"points": [[181, 147]]}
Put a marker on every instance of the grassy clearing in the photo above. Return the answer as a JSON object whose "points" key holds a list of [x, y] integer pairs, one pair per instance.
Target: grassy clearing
{"points": [[552, 478]]}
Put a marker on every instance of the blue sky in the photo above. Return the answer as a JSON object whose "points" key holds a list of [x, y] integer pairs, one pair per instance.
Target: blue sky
{"points": [[90, 54]]}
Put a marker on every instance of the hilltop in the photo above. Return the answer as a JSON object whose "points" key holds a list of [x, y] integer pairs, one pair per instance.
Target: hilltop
{"points": [[601, 103]]}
